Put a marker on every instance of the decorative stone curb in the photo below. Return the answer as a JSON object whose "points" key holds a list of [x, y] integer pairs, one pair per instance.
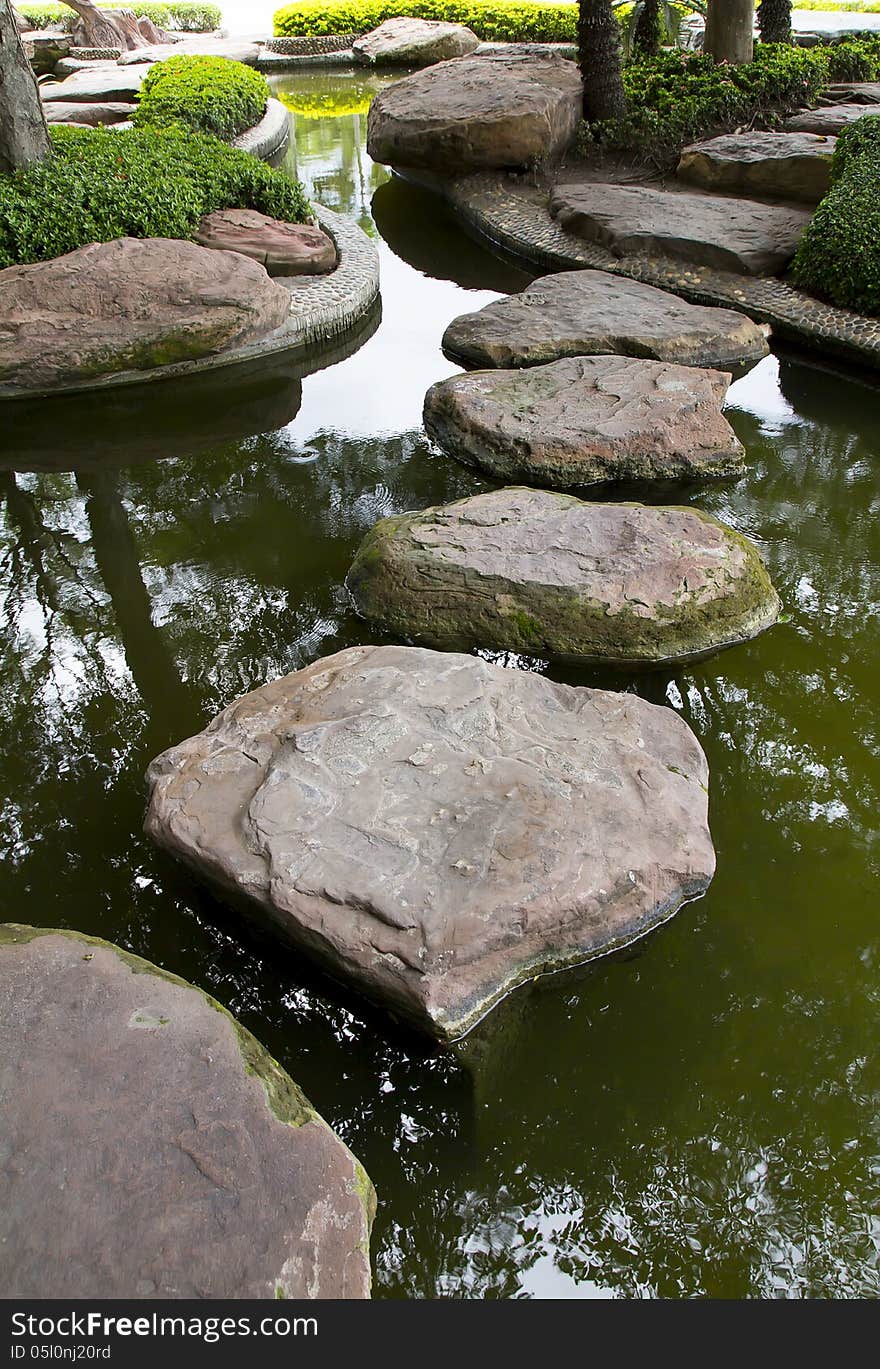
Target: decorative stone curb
{"points": [[312, 46], [269, 135], [269, 62], [322, 308], [516, 218], [96, 54]]}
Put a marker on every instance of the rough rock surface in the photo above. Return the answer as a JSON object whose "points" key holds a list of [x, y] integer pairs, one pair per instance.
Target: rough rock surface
{"points": [[414, 43], [106, 84], [152, 1148], [535, 571], [129, 305], [235, 50], [706, 230], [829, 119], [590, 313], [284, 249], [786, 166], [435, 829], [44, 48], [477, 112], [91, 114], [582, 420], [855, 93]]}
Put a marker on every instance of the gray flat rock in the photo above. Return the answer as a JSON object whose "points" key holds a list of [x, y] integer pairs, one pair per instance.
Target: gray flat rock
{"points": [[435, 829], [855, 93], [94, 113], [583, 420], [539, 572], [152, 1148], [235, 50], [785, 166], [828, 119], [414, 43], [106, 84], [738, 235], [477, 112], [592, 313]]}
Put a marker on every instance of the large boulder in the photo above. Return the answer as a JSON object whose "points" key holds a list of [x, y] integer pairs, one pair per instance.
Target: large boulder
{"points": [[738, 235], [539, 572], [435, 829], [151, 1146], [590, 313], [477, 112], [93, 114], [414, 43], [829, 120], [107, 83], [284, 249], [582, 420], [129, 305], [786, 166]]}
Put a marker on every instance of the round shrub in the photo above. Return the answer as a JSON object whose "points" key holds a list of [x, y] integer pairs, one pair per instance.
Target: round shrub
{"points": [[97, 185], [209, 94], [839, 255]]}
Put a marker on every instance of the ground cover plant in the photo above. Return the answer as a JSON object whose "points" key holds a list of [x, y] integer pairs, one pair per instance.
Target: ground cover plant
{"points": [[209, 94]]}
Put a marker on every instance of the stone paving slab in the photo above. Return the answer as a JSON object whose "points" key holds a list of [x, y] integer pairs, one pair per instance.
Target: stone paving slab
{"points": [[782, 166], [828, 119]]}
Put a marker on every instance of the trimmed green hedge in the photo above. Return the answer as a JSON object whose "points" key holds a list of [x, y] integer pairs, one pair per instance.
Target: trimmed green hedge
{"points": [[189, 15], [839, 255], [497, 21], [209, 94], [98, 185], [680, 97]]}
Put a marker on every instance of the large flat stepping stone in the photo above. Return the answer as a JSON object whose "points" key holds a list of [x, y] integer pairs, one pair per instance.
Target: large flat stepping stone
{"points": [[587, 419], [235, 50], [106, 84], [414, 43], [436, 830], [744, 236], [93, 114], [786, 166], [151, 1146], [829, 119], [855, 93], [536, 571], [477, 112], [284, 249], [129, 305], [591, 313]]}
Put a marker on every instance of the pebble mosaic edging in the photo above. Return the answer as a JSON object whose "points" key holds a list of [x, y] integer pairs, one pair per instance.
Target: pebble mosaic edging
{"points": [[322, 308], [515, 217], [269, 135]]}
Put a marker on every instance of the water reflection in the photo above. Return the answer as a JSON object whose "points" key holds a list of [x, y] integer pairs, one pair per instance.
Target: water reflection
{"points": [[698, 1116]]}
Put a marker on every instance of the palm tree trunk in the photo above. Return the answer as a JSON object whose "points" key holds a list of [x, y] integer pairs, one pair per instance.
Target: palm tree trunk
{"points": [[599, 59], [648, 36], [730, 30], [23, 134], [774, 21]]}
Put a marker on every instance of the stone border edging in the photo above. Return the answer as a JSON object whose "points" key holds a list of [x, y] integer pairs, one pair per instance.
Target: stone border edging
{"points": [[269, 135], [516, 219], [321, 308]]}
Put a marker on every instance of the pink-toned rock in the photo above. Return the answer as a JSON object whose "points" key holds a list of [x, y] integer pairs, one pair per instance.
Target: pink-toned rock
{"points": [[414, 43], [284, 249], [129, 305], [92, 115]]}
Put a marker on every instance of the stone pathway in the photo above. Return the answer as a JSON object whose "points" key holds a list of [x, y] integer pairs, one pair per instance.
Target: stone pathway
{"points": [[827, 119], [788, 166]]}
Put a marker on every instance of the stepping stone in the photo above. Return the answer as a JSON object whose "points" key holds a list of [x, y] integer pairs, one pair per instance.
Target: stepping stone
{"points": [[284, 249], [587, 419], [106, 84], [414, 43], [857, 93], [704, 230], [590, 313], [69, 66], [544, 573], [829, 119], [44, 49], [234, 50], [92, 113], [129, 305], [153, 1148], [788, 166], [477, 112], [436, 830]]}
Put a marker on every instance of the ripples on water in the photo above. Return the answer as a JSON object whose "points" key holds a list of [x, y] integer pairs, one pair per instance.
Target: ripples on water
{"points": [[696, 1117]]}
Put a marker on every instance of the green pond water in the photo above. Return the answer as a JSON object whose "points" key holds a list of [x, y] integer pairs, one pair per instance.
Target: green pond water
{"points": [[696, 1117]]}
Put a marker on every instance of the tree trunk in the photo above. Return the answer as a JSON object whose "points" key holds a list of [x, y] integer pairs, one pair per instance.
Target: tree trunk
{"points": [[599, 59], [23, 134], [648, 36], [107, 28], [730, 30], [774, 21]]}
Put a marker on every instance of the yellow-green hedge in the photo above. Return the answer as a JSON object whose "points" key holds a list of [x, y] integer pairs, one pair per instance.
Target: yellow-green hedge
{"points": [[500, 21]]}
